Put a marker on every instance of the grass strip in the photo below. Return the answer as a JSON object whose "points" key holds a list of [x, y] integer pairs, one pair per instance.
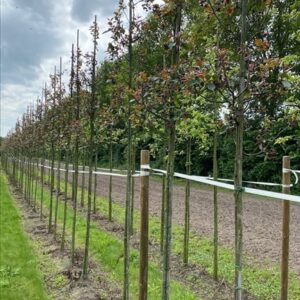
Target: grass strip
{"points": [[20, 277]]}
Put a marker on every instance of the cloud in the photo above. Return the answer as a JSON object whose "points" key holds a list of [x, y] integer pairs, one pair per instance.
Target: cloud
{"points": [[31, 44], [83, 10], [14, 101], [39, 9], [26, 40], [34, 34]]}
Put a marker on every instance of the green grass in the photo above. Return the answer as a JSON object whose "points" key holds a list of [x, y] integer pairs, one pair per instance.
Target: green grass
{"points": [[108, 250], [19, 274]]}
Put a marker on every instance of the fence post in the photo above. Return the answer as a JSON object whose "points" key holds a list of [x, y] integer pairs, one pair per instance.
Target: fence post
{"points": [[286, 180], [144, 197]]}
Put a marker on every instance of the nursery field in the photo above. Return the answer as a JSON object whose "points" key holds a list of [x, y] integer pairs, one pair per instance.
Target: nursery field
{"points": [[262, 217], [106, 261], [161, 159], [261, 265]]}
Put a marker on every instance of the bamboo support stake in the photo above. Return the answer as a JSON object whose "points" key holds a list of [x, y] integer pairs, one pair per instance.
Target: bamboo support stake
{"points": [[144, 230], [286, 180]]}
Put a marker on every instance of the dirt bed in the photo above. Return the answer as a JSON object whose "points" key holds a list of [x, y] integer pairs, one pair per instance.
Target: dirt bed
{"points": [[262, 217]]}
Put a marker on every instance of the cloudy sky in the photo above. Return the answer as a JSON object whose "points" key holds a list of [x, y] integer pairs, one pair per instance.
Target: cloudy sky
{"points": [[34, 34]]}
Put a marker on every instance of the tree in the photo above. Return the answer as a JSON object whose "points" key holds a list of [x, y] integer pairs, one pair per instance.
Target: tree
{"points": [[91, 112]]}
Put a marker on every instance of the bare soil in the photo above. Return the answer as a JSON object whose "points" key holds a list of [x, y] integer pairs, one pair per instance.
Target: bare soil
{"points": [[262, 217]]}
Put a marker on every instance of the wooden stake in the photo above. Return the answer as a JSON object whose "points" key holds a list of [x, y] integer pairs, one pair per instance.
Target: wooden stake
{"points": [[144, 230], [162, 216], [286, 180], [187, 205]]}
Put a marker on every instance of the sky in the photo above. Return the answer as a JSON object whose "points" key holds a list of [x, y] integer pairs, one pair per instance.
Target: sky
{"points": [[34, 34]]}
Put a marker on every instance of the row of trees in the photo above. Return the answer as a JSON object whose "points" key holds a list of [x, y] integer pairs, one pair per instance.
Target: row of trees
{"points": [[185, 78]]}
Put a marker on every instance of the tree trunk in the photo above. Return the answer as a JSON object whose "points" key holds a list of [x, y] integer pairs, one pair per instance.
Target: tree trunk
{"points": [[110, 178], [91, 153], [76, 153], [129, 166], [95, 182], [62, 245], [51, 187], [89, 207], [57, 193], [168, 211], [32, 181], [238, 176], [42, 187], [83, 182], [216, 231], [36, 182], [132, 188], [171, 157], [67, 163]]}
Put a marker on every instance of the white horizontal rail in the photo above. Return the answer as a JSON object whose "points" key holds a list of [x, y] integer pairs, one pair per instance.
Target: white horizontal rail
{"points": [[205, 180]]}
